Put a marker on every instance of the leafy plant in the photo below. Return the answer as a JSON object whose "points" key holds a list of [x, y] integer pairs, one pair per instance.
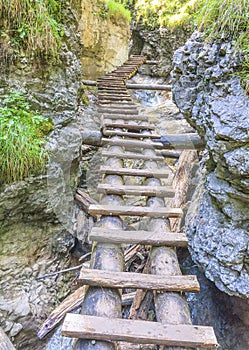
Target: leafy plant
{"points": [[22, 139], [31, 26], [118, 12]]}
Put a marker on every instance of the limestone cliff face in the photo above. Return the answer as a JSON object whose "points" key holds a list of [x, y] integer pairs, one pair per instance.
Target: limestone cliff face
{"points": [[105, 43], [209, 95]]}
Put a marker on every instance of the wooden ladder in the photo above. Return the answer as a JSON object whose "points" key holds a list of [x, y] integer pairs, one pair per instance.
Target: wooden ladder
{"points": [[128, 135]]}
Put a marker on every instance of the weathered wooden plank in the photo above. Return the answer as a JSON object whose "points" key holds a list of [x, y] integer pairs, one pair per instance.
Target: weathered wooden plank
{"points": [[135, 86], [5, 343], [136, 135], [114, 210], [158, 191], [140, 332], [153, 238], [129, 155], [134, 172], [125, 116], [111, 279], [117, 110], [182, 141], [128, 126], [131, 143]]}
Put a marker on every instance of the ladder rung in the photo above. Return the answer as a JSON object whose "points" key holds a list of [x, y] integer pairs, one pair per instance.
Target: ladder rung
{"points": [[131, 143], [139, 332], [130, 134], [128, 155], [114, 210], [117, 110], [153, 238], [127, 116], [156, 191], [135, 172], [127, 126], [112, 279]]}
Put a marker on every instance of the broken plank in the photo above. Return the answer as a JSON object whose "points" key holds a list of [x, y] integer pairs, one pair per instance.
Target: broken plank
{"points": [[135, 172], [129, 155], [112, 279], [140, 332], [115, 210], [158, 191], [158, 238]]}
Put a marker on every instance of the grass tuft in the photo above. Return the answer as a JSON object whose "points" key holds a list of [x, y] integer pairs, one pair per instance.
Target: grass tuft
{"points": [[117, 12], [22, 139]]}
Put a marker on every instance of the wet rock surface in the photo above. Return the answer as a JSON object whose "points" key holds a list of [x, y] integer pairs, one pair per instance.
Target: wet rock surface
{"points": [[209, 95]]}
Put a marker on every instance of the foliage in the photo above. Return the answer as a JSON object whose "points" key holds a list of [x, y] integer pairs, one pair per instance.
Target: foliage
{"points": [[165, 12], [118, 12], [22, 138], [228, 19], [32, 26]]}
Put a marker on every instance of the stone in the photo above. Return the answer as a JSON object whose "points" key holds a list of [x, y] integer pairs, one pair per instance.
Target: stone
{"points": [[217, 223]]}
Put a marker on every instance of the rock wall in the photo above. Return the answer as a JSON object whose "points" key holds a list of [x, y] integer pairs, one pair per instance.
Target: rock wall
{"points": [[209, 95], [105, 43], [36, 215], [159, 44]]}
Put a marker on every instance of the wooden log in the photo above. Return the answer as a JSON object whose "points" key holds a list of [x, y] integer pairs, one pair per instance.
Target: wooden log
{"points": [[5, 343], [153, 238], [92, 138], [182, 141], [134, 172], [84, 199], [135, 86], [143, 332], [168, 154], [129, 155], [112, 279], [117, 109], [158, 191], [122, 210]]}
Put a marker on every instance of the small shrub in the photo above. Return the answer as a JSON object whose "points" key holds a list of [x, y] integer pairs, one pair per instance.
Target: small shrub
{"points": [[22, 139], [117, 12]]}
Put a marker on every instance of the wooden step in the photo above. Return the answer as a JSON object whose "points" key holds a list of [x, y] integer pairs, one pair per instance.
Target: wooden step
{"points": [[131, 143], [135, 172], [118, 110], [126, 102], [129, 155], [139, 332], [126, 116], [112, 279], [122, 210], [156, 191], [138, 127], [156, 238], [136, 135]]}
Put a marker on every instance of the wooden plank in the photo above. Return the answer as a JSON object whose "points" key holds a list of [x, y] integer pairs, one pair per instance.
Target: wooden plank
{"points": [[125, 116], [141, 332], [5, 343], [129, 134], [157, 191], [134, 172], [129, 155], [182, 141], [112, 279], [115, 210], [128, 126], [131, 143], [117, 110], [153, 238]]}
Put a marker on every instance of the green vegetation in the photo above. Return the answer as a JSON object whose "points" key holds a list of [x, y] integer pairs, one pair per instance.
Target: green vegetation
{"points": [[228, 19], [30, 26], [118, 12], [115, 10], [22, 139]]}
